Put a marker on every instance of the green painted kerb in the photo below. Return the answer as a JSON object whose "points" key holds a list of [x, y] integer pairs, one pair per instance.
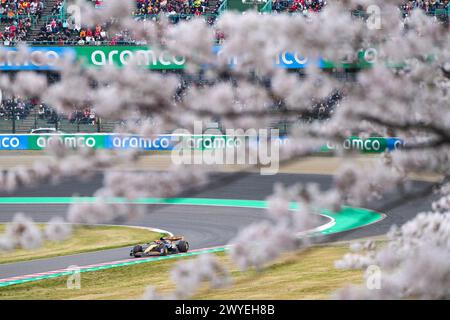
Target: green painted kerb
{"points": [[347, 219]]}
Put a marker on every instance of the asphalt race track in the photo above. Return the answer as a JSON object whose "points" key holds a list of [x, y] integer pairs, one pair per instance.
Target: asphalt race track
{"points": [[204, 227]]}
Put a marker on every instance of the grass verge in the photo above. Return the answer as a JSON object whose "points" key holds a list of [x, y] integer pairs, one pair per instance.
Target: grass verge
{"points": [[83, 239], [304, 275]]}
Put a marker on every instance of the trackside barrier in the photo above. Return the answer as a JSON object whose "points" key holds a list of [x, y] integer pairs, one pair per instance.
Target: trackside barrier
{"points": [[370, 145], [168, 142], [50, 58]]}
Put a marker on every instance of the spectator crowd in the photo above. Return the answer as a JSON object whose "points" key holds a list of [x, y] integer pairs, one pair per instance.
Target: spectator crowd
{"points": [[17, 17], [85, 116], [432, 7], [302, 6], [15, 108], [438, 8], [183, 7], [57, 30]]}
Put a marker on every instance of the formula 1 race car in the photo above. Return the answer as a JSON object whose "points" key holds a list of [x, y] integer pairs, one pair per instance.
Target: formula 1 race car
{"points": [[161, 247]]}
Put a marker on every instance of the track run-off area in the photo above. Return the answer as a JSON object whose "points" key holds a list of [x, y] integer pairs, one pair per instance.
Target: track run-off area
{"points": [[208, 221], [347, 219]]}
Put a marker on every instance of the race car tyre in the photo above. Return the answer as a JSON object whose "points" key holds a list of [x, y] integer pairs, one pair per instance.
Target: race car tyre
{"points": [[183, 246], [137, 249]]}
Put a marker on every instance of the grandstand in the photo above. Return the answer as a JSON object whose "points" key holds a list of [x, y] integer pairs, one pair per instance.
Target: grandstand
{"points": [[41, 22], [45, 22], [55, 29], [18, 18], [23, 116]]}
